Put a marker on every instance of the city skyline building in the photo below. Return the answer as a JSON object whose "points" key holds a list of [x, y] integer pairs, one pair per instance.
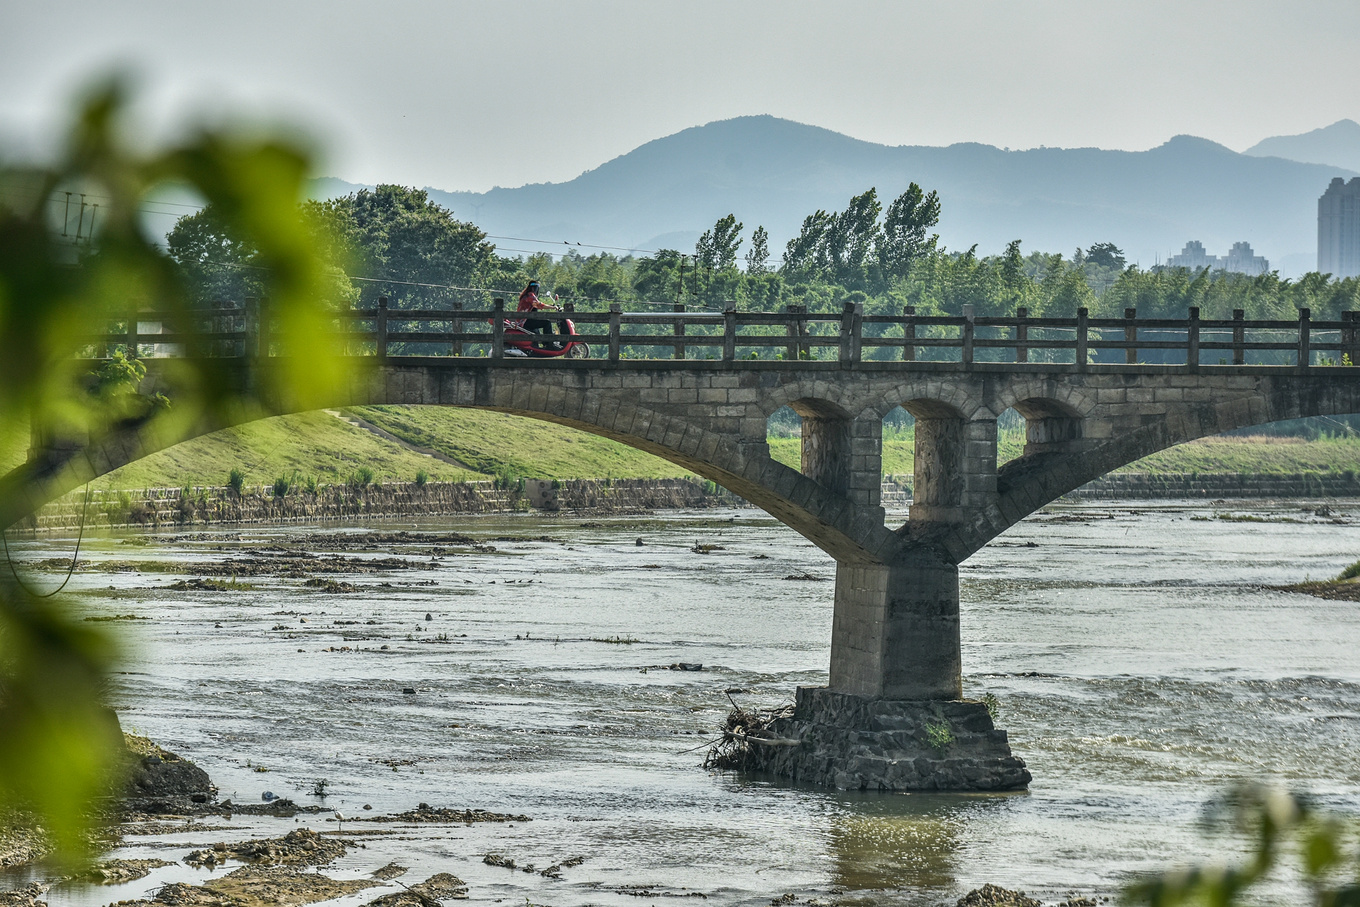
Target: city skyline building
{"points": [[1239, 260], [1339, 228]]}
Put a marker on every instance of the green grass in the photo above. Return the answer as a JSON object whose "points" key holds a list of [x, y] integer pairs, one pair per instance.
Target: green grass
{"points": [[308, 444], [498, 444], [1258, 455], [317, 445]]}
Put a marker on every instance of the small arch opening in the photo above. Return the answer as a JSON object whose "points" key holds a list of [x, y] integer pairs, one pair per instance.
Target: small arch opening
{"points": [[784, 431], [1010, 436], [812, 436], [825, 451], [898, 458]]}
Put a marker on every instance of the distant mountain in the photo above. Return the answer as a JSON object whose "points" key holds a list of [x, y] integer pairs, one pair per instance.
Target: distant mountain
{"points": [[774, 172], [1337, 145]]}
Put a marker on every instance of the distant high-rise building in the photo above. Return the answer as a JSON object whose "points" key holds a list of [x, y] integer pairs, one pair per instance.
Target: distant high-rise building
{"points": [[1339, 228], [1240, 259], [1193, 257]]}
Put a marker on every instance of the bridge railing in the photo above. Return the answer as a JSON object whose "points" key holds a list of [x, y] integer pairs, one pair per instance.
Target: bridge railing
{"points": [[847, 337]]}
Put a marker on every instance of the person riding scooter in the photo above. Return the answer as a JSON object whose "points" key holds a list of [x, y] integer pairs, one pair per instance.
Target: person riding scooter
{"points": [[529, 302]]}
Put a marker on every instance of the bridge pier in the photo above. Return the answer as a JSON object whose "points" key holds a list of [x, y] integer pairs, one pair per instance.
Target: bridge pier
{"points": [[895, 633], [893, 718]]}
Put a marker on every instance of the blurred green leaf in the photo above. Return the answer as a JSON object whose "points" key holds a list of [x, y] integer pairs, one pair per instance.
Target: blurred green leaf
{"points": [[59, 746]]}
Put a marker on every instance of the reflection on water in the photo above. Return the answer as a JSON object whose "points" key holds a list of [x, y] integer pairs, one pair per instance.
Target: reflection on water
{"points": [[897, 842], [1140, 661]]}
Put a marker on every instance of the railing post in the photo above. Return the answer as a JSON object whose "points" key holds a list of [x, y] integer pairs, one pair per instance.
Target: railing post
{"points": [[615, 328], [856, 332], [909, 333], [966, 336], [380, 329], [791, 331], [1239, 338], [1131, 336], [847, 347], [131, 341], [679, 331], [1192, 340], [497, 328], [1022, 335], [1350, 338], [456, 348], [1305, 339], [250, 347], [262, 327], [729, 351], [1082, 339]]}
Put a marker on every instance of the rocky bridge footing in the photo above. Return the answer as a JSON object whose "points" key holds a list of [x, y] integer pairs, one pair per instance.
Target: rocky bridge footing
{"points": [[857, 743]]}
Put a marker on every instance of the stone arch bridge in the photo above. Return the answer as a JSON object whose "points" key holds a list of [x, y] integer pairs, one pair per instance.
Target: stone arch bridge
{"points": [[896, 624]]}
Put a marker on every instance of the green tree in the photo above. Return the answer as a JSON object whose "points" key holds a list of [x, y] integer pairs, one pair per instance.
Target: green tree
{"points": [[1015, 283], [715, 257], [219, 265], [658, 278], [759, 253], [215, 260], [400, 238], [1279, 827], [717, 247], [851, 238], [1105, 255], [904, 240], [805, 254]]}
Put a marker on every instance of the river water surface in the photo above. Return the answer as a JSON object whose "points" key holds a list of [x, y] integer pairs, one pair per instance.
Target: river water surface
{"points": [[1140, 664]]}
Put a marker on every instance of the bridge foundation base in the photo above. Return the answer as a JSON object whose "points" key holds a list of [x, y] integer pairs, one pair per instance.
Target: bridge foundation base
{"points": [[857, 743]]}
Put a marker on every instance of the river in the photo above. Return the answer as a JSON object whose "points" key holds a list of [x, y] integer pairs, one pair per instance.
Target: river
{"points": [[1140, 665]]}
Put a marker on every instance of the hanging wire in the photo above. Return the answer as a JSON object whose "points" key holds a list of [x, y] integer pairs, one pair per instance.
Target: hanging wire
{"points": [[75, 555]]}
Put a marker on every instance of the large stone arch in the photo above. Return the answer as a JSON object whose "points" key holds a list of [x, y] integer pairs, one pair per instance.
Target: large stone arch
{"points": [[736, 461]]}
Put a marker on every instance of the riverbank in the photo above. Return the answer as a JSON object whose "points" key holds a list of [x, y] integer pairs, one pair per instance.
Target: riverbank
{"points": [[199, 505], [393, 445], [1215, 486], [205, 506]]}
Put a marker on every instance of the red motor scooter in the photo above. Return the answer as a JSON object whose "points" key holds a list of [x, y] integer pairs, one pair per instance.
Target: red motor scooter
{"points": [[557, 342]]}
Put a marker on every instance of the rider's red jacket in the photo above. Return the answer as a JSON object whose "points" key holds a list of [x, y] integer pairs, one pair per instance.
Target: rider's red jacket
{"points": [[528, 302]]}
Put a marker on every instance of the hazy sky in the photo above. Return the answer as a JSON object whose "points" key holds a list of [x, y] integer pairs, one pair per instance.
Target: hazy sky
{"points": [[467, 95]]}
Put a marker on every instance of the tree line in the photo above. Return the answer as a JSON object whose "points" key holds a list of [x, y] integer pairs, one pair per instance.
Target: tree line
{"points": [[394, 241]]}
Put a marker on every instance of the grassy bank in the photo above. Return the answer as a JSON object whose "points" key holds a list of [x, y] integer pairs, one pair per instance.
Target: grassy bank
{"points": [[331, 450], [488, 445], [494, 444]]}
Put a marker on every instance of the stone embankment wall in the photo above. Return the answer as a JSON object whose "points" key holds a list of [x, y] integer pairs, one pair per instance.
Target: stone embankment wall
{"points": [[1222, 485], [1210, 486], [198, 506]]}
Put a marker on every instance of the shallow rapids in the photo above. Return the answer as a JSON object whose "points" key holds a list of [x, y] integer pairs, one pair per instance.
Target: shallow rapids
{"points": [[1140, 664]]}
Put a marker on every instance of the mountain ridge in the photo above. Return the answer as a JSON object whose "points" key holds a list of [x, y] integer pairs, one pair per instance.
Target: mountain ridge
{"points": [[1337, 145], [774, 172]]}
